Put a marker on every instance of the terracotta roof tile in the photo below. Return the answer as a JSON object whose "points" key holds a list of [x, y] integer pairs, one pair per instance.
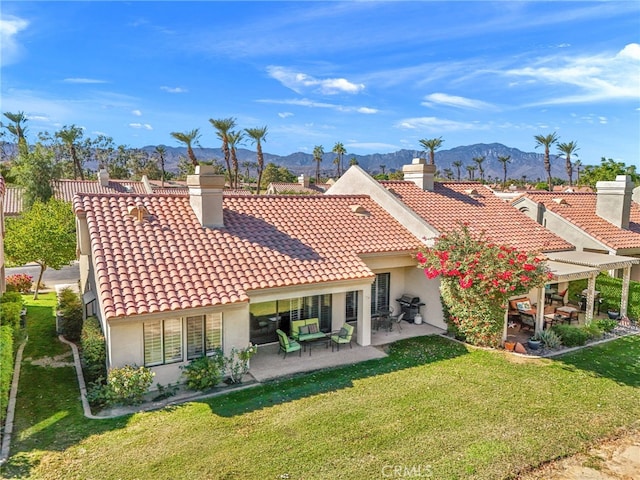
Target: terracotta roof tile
{"points": [[169, 262], [451, 203], [579, 209]]}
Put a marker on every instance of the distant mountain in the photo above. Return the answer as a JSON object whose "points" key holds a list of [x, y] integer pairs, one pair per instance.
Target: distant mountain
{"points": [[522, 163]]}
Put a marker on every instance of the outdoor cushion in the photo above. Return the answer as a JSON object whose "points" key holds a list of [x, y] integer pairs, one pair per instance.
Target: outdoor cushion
{"points": [[313, 328], [304, 330], [524, 305]]}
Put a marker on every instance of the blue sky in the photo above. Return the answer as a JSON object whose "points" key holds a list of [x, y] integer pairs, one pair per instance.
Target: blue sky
{"points": [[376, 76]]}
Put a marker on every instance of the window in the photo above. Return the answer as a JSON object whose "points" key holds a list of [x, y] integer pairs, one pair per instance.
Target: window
{"points": [[351, 309], [380, 292], [204, 334], [162, 342]]}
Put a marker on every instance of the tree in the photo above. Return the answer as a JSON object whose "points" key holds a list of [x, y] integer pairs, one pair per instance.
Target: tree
{"points": [[35, 171], [608, 170], [223, 126], [479, 160], [44, 234], [339, 150], [504, 159], [18, 129], [161, 151], [577, 164], [234, 138], [471, 171], [353, 161], [258, 135], [431, 145], [273, 173], [189, 139], [547, 141], [70, 136], [318, 152], [448, 173], [383, 167], [458, 165], [568, 149]]}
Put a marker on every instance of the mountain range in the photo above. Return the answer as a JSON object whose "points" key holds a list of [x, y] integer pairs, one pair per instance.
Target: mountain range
{"points": [[523, 164]]}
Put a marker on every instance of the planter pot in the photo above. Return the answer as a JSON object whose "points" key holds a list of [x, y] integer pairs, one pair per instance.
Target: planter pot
{"points": [[534, 344], [613, 315], [509, 346]]}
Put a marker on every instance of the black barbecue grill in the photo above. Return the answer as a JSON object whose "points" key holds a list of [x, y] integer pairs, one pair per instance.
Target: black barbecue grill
{"points": [[410, 306]]}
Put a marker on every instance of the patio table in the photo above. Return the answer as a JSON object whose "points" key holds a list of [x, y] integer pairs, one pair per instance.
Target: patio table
{"points": [[316, 342]]}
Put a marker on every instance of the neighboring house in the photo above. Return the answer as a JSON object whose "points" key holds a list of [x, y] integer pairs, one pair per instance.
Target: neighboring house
{"points": [[606, 222], [172, 276], [429, 209], [3, 285], [302, 187]]}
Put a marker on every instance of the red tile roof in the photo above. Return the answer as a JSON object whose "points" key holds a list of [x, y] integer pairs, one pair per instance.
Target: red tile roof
{"points": [[13, 201], [66, 189], [450, 204], [579, 209], [298, 188], [169, 262]]}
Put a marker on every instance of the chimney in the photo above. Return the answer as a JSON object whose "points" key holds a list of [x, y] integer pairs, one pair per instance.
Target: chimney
{"points": [[613, 201], [205, 196], [103, 177], [303, 180], [420, 173]]}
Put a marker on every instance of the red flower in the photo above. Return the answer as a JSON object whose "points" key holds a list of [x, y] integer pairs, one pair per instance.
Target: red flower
{"points": [[431, 272], [528, 267], [465, 282]]}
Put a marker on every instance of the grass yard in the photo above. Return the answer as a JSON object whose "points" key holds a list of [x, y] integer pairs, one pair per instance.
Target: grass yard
{"points": [[432, 409]]}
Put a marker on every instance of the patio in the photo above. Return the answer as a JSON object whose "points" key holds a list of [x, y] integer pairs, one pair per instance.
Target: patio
{"points": [[268, 365]]}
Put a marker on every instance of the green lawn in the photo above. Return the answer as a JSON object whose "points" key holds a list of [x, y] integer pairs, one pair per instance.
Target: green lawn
{"points": [[433, 408]]}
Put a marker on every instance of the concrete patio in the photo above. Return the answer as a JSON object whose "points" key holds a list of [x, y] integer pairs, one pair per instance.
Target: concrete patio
{"points": [[268, 365]]}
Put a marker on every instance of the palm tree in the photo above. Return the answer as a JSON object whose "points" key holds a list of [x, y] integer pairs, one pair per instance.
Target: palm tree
{"points": [[223, 126], [258, 135], [577, 164], [448, 173], [189, 138], [69, 136], [339, 150], [547, 141], [568, 149], [471, 171], [161, 151], [234, 139], [383, 167], [17, 129], [504, 159], [479, 161], [458, 165], [318, 152], [431, 145]]}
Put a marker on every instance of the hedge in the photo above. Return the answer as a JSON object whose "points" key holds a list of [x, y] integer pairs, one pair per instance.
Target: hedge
{"points": [[94, 356], [610, 292], [6, 368]]}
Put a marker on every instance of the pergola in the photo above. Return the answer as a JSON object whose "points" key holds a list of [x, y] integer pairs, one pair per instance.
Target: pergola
{"points": [[574, 265]]}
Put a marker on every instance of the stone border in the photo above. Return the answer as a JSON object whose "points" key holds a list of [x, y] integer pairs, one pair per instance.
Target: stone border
{"points": [[11, 405]]}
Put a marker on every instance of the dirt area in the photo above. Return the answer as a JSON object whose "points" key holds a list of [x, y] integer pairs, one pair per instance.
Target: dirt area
{"points": [[53, 362], [614, 459]]}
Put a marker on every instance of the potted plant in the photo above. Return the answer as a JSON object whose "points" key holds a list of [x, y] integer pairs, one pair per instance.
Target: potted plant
{"points": [[613, 312], [534, 342]]}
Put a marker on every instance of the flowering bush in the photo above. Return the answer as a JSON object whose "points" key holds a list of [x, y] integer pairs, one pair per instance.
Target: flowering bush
{"points": [[127, 385], [477, 278], [20, 282], [238, 362]]}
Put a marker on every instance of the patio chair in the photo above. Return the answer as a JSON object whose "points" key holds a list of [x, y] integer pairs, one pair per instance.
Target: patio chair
{"points": [[397, 319], [287, 345], [558, 297], [342, 337]]}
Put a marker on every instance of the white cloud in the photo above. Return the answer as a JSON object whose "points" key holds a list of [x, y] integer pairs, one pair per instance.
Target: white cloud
{"points": [[367, 110], [454, 101], [83, 80], [174, 89], [10, 49], [594, 78], [305, 102], [435, 125], [301, 82], [137, 113], [146, 126], [285, 114]]}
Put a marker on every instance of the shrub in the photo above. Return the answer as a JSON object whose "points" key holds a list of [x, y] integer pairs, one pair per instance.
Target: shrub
{"points": [[204, 372], [6, 367], [237, 364], [98, 394], [10, 314], [94, 356], [549, 338], [20, 282], [70, 309], [570, 335], [593, 331], [127, 385], [605, 324], [11, 297]]}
